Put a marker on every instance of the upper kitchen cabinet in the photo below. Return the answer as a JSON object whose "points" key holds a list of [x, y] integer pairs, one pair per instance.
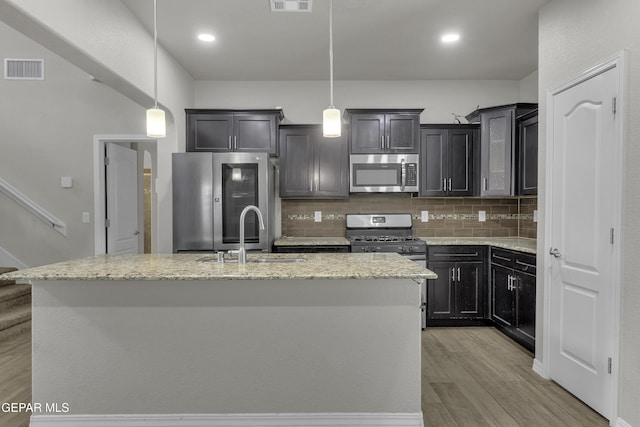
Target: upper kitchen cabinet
{"points": [[374, 131], [528, 153], [447, 160], [498, 138], [312, 166], [253, 131]]}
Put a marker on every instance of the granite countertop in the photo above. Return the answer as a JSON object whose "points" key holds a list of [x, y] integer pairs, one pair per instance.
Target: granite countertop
{"points": [[206, 267], [312, 241], [521, 244]]}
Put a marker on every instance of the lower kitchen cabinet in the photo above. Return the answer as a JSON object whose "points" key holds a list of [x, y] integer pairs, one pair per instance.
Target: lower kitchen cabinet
{"points": [[513, 289], [457, 296]]}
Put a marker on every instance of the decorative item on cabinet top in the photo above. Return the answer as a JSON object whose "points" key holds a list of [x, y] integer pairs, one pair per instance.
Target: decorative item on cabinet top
{"points": [[227, 130]]}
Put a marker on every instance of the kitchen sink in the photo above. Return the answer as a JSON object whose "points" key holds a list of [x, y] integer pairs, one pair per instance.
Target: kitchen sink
{"points": [[210, 258], [277, 260]]}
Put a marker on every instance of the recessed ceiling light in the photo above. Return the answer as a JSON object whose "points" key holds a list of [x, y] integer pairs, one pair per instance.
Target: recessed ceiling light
{"points": [[206, 37], [450, 38]]}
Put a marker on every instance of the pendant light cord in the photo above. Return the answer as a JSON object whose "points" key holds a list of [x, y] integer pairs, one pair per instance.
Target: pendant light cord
{"points": [[331, 51], [155, 54]]}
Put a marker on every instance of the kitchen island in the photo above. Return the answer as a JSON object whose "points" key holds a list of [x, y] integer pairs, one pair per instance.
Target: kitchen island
{"points": [[184, 340]]}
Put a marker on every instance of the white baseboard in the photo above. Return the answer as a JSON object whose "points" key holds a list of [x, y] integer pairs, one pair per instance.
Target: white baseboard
{"points": [[538, 368], [8, 260], [233, 420], [622, 423]]}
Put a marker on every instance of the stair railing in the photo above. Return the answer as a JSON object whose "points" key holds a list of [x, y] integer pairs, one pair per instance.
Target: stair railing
{"points": [[33, 207]]}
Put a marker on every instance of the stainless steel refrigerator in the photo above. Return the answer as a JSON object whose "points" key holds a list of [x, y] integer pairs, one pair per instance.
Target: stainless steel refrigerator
{"points": [[209, 192]]}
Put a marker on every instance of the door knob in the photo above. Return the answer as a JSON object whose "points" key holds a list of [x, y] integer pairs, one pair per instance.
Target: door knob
{"points": [[555, 252]]}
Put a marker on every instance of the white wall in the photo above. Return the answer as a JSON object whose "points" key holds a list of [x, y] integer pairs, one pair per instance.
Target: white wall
{"points": [[106, 41], [303, 101], [529, 88], [575, 35], [46, 132]]}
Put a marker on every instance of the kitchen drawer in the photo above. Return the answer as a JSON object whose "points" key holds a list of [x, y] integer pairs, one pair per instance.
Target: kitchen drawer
{"points": [[525, 263], [455, 253], [503, 257], [517, 261]]}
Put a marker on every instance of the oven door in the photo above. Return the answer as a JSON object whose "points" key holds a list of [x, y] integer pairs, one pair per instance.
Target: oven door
{"points": [[383, 173]]}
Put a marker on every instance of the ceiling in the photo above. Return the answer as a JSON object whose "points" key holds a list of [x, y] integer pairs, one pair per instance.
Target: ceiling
{"points": [[373, 39]]}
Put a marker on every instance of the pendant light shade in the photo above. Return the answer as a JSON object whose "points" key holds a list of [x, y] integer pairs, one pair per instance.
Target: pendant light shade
{"points": [[155, 123], [156, 127], [331, 121]]}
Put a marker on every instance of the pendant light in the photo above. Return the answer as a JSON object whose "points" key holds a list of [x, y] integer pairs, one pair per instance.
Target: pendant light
{"points": [[156, 127], [331, 121]]}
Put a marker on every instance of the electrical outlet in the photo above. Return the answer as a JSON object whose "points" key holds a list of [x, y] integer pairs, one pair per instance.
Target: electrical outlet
{"points": [[424, 216], [317, 216], [482, 216], [535, 215], [66, 182], [85, 217]]}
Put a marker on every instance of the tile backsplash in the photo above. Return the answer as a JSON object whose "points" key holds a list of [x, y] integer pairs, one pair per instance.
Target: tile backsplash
{"points": [[448, 217]]}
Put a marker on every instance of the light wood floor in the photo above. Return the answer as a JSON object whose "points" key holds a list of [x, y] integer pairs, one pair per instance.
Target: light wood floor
{"points": [[15, 377], [476, 376], [470, 377]]}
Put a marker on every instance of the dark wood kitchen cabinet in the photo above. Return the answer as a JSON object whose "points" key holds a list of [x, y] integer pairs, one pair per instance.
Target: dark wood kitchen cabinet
{"points": [[513, 290], [312, 166], [457, 296], [253, 131], [528, 153], [374, 131], [498, 138], [447, 160]]}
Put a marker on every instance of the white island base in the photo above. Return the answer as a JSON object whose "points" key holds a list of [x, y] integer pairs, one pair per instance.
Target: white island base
{"points": [[227, 352]]}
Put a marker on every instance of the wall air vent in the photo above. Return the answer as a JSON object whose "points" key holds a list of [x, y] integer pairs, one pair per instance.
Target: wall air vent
{"points": [[290, 5], [24, 69]]}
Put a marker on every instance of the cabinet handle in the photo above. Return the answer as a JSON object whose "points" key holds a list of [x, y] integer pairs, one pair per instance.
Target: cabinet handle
{"points": [[449, 184], [484, 183], [382, 142], [458, 274], [509, 282], [444, 184], [453, 274], [235, 142], [230, 142], [387, 142]]}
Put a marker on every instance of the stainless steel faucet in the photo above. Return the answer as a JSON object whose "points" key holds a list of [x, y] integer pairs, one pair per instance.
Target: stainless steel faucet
{"points": [[242, 253]]}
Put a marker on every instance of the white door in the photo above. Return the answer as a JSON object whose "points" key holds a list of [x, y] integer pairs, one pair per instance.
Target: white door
{"points": [[122, 200], [582, 256]]}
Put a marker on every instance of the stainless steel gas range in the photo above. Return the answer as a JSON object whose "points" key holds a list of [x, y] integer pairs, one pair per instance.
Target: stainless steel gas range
{"points": [[388, 233]]}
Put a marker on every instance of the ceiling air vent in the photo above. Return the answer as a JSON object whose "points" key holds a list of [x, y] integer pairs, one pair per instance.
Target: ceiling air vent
{"points": [[290, 5], [24, 69]]}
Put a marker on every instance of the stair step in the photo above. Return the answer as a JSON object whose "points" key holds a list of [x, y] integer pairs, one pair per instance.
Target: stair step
{"points": [[13, 295], [15, 320], [5, 282]]}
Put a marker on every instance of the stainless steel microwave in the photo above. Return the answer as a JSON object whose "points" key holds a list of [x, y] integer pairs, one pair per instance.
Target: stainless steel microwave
{"points": [[384, 173]]}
